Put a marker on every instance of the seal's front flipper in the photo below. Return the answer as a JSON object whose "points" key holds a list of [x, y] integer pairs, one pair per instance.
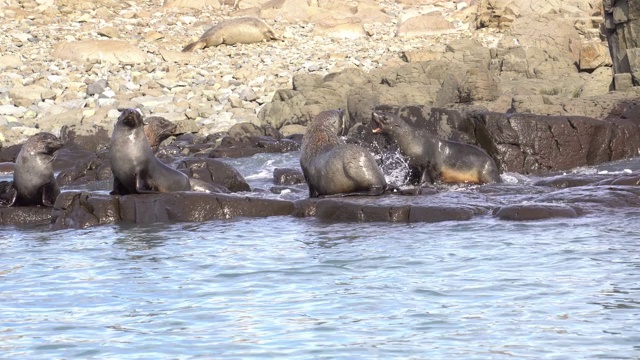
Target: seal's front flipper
{"points": [[50, 192], [118, 188]]}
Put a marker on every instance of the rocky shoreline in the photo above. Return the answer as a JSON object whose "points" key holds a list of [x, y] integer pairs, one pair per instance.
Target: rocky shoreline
{"points": [[73, 63], [532, 85]]}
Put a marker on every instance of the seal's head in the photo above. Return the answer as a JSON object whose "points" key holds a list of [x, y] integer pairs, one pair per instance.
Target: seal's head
{"points": [[43, 144], [131, 118], [332, 121], [386, 122], [157, 129]]}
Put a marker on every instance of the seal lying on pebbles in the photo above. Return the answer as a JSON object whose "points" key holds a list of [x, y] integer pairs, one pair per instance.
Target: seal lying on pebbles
{"points": [[242, 30], [332, 167], [33, 179], [435, 159], [135, 168]]}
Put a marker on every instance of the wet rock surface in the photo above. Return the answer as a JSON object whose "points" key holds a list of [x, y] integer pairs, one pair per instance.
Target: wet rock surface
{"points": [[555, 197]]}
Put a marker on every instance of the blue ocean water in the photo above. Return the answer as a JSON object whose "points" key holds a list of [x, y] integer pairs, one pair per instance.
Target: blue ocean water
{"points": [[295, 288]]}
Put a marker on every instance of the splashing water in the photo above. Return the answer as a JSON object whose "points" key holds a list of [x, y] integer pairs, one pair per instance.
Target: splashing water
{"points": [[393, 164]]}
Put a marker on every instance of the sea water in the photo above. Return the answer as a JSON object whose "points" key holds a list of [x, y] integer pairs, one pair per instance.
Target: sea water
{"points": [[285, 287]]}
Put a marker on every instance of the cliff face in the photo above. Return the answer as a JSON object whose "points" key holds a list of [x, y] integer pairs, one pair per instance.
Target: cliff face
{"points": [[622, 23]]}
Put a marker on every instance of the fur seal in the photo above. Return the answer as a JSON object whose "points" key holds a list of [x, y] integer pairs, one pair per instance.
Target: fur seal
{"points": [[33, 180], [435, 159], [332, 167], [158, 129], [242, 30], [135, 168]]}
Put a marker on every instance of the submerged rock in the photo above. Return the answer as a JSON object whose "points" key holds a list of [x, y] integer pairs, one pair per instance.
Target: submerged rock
{"points": [[535, 211]]}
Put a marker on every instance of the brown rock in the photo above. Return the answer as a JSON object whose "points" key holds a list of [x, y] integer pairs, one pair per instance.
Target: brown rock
{"points": [[26, 95], [594, 55], [554, 36], [109, 31]]}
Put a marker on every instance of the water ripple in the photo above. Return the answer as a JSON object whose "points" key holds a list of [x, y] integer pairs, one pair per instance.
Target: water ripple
{"points": [[300, 288]]}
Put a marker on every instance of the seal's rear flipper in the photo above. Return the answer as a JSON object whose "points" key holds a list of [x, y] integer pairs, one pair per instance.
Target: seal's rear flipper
{"points": [[143, 187]]}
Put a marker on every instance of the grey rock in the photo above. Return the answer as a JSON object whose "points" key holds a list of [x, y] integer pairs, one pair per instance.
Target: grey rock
{"points": [[97, 87]]}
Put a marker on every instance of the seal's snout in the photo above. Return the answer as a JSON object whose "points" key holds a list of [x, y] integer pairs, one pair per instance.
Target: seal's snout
{"points": [[131, 118], [377, 120], [53, 145]]}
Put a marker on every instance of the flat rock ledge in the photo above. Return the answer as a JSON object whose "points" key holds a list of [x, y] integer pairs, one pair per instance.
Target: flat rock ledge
{"points": [[82, 209], [79, 209]]}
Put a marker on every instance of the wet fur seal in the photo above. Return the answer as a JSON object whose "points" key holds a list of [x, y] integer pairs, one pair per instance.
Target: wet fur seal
{"points": [[332, 167], [33, 180], [242, 30], [434, 159], [136, 170]]}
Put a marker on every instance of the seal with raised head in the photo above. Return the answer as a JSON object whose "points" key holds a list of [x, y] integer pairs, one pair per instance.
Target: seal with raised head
{"points": [[332, 167], [33, 180], [434, 159], [135, 168], [242, 30]]}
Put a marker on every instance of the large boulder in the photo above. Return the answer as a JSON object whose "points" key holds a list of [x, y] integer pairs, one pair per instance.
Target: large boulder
{"points": [[556, 38], [622, 23], [214, 171], [527, 143]]}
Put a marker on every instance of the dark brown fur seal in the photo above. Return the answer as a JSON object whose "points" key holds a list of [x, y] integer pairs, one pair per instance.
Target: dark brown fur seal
{"points": [[33, 180], [332, 167], [135, 168], [158, 129], [242, 30], [435, 159]]}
